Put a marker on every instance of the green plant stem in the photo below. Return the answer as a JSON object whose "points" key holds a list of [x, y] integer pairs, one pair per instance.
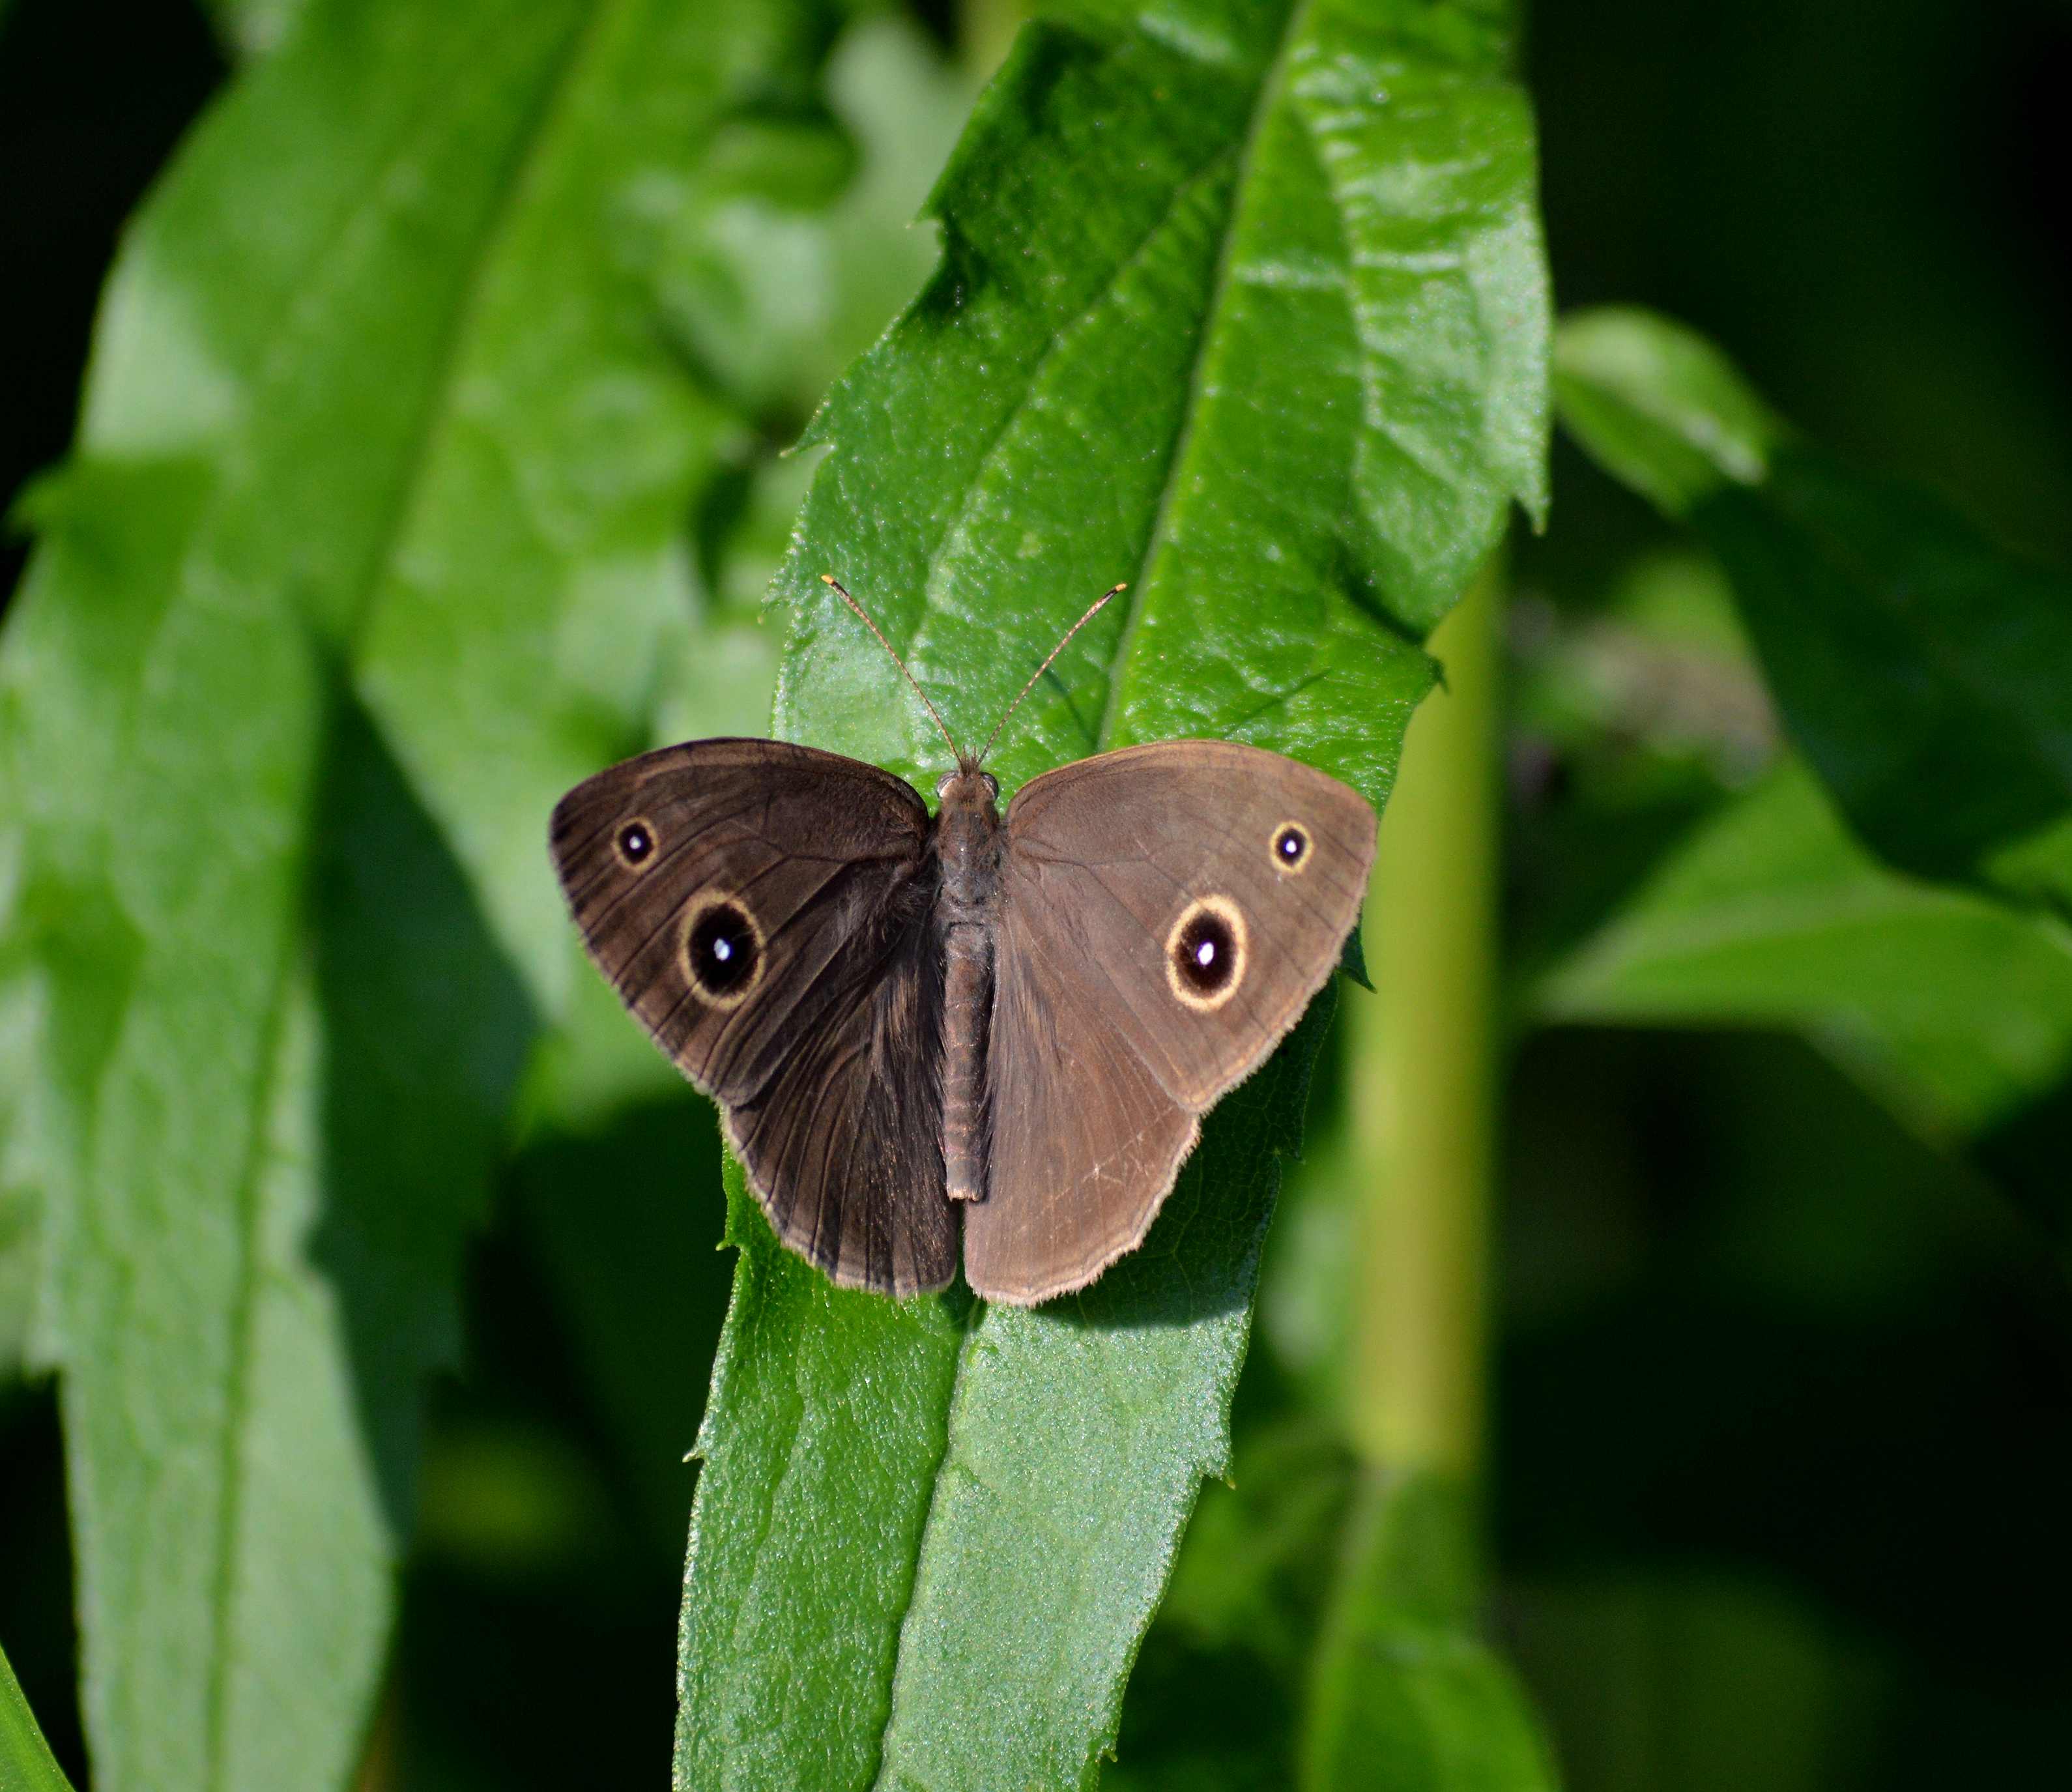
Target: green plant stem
{"points": [[1423, 1099]]}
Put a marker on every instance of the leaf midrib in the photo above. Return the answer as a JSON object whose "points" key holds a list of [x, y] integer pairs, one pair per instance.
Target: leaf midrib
{"points": [[1270, 84]]}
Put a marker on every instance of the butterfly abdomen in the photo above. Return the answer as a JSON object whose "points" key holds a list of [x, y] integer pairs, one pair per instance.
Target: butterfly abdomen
{"points": [[967, 1017], [967, 845]]}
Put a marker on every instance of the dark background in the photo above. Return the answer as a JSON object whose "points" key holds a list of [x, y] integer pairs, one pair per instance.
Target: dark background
{"points": [[1783, 1473]]}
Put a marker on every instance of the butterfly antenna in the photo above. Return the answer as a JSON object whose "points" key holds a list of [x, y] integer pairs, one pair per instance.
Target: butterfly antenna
{"points": [[1039, 672], [830, 580]]}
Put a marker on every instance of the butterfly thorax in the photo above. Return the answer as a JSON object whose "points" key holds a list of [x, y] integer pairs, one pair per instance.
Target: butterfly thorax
{"points": [[967, 845], [968, 849]]}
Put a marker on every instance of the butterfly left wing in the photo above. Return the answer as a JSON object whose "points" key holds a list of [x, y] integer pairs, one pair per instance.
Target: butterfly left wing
{"points": [[763, 910], [1166, 912]]}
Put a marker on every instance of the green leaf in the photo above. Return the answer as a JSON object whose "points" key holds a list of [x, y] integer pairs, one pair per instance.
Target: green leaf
{"points": [[26, 1764], [21, 1202], [1956, 1009], [1405, 1696], [1921, 670], [250, 28], [373, 528], [1659, 408], [1246, 307], [821, 1438], [781, 298]]}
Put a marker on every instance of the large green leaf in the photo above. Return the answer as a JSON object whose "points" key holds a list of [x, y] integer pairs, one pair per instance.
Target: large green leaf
{"points": [[1922, 671], [1956, 1008], [1245, 305], [372, 531]]}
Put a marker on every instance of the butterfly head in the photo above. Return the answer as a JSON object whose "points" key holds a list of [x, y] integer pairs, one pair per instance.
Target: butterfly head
{"points": [[968, 783]]}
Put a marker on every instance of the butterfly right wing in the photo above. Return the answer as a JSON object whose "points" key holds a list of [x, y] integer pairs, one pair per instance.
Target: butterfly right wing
{"points": [[1167, 913], [763, 909]]}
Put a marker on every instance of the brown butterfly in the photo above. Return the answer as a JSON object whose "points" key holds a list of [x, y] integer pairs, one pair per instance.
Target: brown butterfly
{"points": [[1005, 1027]]}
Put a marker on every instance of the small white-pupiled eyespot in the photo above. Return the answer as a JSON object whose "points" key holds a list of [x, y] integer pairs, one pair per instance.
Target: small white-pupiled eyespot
{"points": [[1291, 846], [1206, 953], [635, 842]]}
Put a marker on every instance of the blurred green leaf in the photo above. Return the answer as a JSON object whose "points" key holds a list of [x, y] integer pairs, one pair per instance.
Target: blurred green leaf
{"points": [[1659, 408], [1698, 1681], [1405, 1697], [18, 1236], [522, 629], [1285, 377], [1922, 671], [249, 28], [1653, 690], [1627, 722], [1259, 1556], [619, 1216], [26, 1762], [784, 298], [20, 1199], [1957, 1009], [373, 528]]}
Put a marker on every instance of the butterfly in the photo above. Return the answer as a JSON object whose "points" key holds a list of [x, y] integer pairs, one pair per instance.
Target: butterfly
{"points": [[968, 1035]]}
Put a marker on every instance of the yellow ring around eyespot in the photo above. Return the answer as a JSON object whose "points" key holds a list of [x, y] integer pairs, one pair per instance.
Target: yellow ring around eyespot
{"points": [[1225, 911], [1296, 866], [619, 842], [720, 999]]}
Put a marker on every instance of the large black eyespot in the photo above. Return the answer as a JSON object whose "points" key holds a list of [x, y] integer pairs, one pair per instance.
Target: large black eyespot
{"points": [[1291, 846], [1205, 952], [724, 953], [636, 843]]}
